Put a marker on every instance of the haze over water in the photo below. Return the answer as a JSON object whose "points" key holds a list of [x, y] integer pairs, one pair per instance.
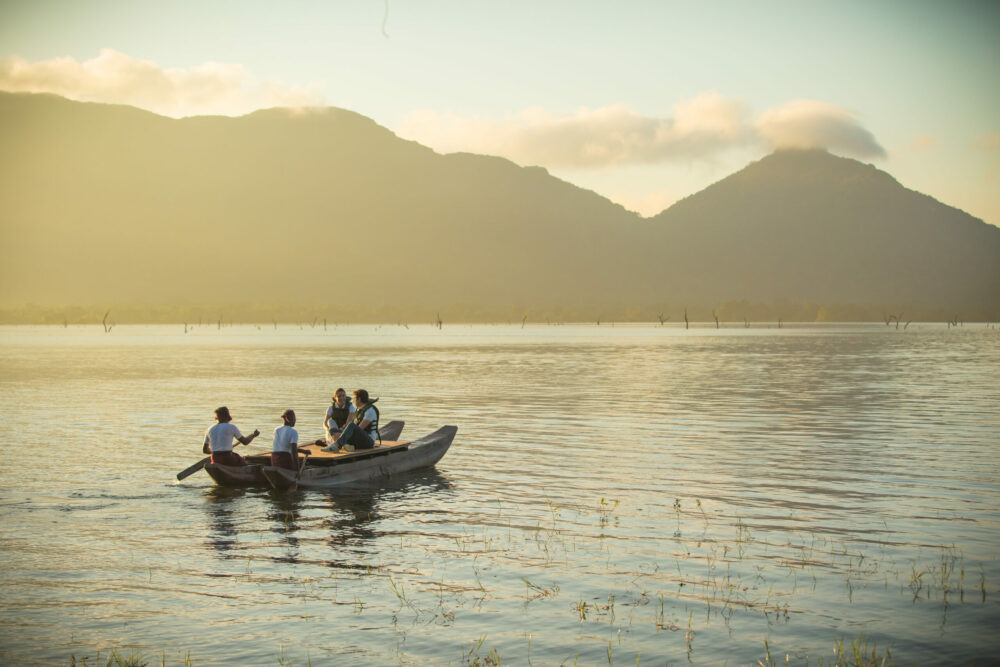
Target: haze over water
{"points": [[614, 494]]}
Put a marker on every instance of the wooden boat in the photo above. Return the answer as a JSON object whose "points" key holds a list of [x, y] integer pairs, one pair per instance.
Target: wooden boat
{"points": [[327, 469], [252, 473]]}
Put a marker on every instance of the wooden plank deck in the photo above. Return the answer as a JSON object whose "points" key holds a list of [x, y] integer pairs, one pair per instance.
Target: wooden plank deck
{"points": [[318, 457], [316, 451]]}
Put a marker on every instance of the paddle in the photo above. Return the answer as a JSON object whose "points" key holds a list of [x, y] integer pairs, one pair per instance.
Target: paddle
{"points": [[187, 472], [298, 473]]}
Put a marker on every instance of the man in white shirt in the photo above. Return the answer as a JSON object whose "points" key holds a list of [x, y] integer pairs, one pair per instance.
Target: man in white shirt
{"points": [[285, 450], [219, 439]]}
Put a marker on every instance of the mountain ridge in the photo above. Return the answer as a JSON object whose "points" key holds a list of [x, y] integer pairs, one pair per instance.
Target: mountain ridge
{"points": [[115, 204]]}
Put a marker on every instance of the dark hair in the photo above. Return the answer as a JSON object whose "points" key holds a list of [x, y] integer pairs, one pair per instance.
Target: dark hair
{"points": [[361, 396], [219, 412]]}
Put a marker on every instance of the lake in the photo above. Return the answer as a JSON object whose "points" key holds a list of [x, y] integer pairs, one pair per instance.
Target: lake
{"points": [[615, 495]]}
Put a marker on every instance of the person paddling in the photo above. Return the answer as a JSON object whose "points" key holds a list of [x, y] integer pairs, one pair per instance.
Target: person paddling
{"points": [[219, 439], [285, 450], [337, 416], [362, 431]]}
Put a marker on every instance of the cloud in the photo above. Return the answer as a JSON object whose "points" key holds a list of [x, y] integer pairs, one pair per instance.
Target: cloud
{"points": [[208, 88], [699, 129], [813, 124], [921, 144], [611, 135], [989, 142]]}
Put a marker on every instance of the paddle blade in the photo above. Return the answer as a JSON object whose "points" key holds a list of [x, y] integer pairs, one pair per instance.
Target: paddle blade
{"points": [[187, 472]]}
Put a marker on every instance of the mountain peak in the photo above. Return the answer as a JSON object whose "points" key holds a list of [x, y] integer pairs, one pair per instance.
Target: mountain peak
{"points": [[799, 165], [110, 203]]}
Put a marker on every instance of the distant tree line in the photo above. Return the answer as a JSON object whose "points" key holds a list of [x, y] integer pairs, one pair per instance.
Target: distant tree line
{"points": [[729, 313]]}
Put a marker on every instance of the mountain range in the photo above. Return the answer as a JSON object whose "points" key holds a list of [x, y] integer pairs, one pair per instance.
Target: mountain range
{"points": [[323, 207]]}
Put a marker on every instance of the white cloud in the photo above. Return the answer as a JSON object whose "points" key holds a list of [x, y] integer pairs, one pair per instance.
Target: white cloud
{"points": [[989, 142], [208, 88], [924, 143], [589, 137], [814, 124], [699, 129]]}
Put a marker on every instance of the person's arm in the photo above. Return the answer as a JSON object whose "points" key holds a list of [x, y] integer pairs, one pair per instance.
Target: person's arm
{"points": [[365, 422], [247, 439], [204, 448]]}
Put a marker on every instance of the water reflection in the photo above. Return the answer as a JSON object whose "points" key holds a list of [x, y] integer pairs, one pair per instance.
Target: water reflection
{"points": [[354, 512], [284, 511], [350, 524], [222, 524], [794, 486]]}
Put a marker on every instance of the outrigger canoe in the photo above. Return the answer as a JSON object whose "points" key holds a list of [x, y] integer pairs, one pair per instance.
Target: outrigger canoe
{"points": [[331, 469], [252, 474]]}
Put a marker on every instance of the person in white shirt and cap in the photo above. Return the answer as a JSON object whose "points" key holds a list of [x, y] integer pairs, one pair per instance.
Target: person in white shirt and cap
{"points": [[219, 439], [285, 450]]}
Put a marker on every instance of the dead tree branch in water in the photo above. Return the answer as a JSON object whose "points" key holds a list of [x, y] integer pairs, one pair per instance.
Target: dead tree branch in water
{"points": [[104, 322], [686, 323]]}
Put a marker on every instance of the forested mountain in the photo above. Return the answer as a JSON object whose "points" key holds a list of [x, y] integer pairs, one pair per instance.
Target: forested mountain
{"points": [[110, 204], [807, 225]]}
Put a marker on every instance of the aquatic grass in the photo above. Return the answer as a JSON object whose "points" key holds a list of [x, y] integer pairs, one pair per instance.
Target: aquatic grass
{"points": [[747, 586], [535, 592], [133, 659], [860, 652], [473, 659]]}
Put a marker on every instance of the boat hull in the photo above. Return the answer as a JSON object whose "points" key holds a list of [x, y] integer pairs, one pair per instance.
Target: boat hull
{"points": [[236, 476], [252, 474], [368, 466]]}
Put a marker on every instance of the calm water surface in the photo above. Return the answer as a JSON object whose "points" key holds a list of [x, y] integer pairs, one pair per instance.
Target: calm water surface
{"points": [[615, 495]]}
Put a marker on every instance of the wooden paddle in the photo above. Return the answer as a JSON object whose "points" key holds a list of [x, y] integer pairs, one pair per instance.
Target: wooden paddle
{"points": [[187, 472], [298, 473]]}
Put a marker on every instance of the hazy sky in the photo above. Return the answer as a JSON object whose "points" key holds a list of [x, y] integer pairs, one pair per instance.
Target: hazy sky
{"points": [[644, 102]]}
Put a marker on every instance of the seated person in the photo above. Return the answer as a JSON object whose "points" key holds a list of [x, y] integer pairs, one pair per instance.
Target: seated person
{"points": [[219, 439], [337, 416], [285, 450], [362, 431]]}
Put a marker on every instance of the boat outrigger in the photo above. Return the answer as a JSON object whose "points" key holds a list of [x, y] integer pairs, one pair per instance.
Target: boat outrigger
{"points": [[321, 470]]}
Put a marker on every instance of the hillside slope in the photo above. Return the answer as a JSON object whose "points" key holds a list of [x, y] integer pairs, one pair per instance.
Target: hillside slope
{"points": [[111, 204], [807, 225]]}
